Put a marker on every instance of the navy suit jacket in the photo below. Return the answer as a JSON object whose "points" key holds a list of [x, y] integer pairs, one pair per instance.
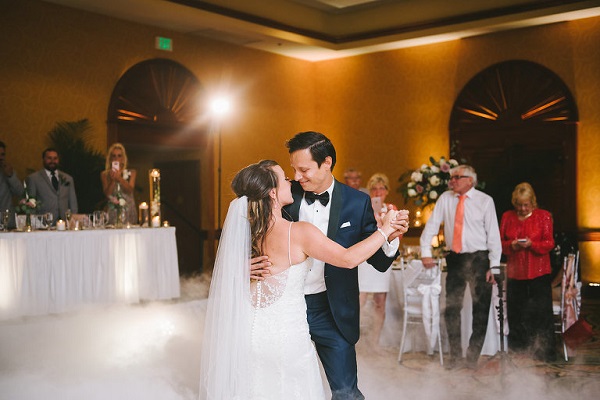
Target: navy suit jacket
{"points": [[354, 207]]}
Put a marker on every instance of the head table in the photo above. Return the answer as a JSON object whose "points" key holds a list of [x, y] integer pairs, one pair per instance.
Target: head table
{"points": [[48, 272]]}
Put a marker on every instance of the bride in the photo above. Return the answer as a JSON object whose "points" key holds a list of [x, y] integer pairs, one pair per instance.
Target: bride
{"points": [[256, 342]]}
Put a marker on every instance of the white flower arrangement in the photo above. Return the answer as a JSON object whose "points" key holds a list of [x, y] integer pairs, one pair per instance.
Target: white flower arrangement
{"points": [[425, 185]]}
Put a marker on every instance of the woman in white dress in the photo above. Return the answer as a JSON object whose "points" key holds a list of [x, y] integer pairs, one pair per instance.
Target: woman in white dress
{"points": [[371, 280], [256, 343]]}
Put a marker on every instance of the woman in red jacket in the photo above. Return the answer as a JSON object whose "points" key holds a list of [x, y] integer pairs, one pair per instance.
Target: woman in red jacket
{"points": [[527, 239]]}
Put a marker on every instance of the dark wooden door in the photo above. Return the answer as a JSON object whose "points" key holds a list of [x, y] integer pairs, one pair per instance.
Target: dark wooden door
{"points": [[516, 121], [180, 201], [544, 157]]}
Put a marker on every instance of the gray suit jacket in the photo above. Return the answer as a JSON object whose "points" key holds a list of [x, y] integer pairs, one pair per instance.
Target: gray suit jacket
{"points": [[10, 187], [55, 201]]}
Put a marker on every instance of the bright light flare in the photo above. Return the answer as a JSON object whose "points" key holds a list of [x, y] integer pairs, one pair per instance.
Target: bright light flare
{"points": [[220, 106]]}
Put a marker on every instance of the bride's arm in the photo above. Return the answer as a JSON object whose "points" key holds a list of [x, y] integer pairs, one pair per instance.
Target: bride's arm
{"points": [[315, 244]]}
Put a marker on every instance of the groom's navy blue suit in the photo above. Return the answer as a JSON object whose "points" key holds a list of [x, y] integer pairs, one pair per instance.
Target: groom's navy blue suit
{"points": [[336, 319]]}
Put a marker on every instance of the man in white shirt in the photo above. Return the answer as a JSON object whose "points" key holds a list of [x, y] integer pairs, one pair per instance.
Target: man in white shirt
{"points": [[476, 247]]}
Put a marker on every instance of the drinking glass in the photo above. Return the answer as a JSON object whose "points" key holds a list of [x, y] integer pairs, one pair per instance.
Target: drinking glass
{"points": [[99, 219], [87, 221], [68, 216], [4, 220], [48, 219]]}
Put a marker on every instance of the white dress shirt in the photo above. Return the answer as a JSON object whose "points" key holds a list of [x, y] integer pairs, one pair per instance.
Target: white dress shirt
{"points": [[480, 226], [318, 215]]}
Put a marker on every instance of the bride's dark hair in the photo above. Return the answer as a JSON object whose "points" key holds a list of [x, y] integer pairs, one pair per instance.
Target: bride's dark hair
{"points": [[255, 182]]}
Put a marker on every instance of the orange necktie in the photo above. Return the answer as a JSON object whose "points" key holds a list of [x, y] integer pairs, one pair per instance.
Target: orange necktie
{"points": [[458, 225]]}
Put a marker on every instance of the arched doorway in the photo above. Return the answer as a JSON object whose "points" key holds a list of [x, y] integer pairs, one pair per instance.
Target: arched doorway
{"points": [[155, 111], [517, 121]]}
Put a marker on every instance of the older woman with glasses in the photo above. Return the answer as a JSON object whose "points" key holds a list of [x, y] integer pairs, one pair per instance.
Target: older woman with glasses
{"points": [[527, 239], [371, 280]]}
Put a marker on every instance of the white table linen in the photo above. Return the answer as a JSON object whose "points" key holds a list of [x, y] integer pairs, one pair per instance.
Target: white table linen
{"points": [[392, 329], [47, 272]]}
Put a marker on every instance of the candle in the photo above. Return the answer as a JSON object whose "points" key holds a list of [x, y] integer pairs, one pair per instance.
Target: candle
{"points": [[61, 225], [155, 221], [143, 214]]}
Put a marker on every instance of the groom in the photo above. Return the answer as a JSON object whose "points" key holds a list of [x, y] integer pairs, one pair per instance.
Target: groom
{"points": [[345, 215]]}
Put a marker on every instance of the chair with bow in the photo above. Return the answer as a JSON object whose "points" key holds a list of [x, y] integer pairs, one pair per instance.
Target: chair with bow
{"points": [[421, 293], [566, 308]]}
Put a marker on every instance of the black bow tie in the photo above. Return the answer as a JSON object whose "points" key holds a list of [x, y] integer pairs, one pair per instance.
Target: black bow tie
{"points": [[311, 197]]}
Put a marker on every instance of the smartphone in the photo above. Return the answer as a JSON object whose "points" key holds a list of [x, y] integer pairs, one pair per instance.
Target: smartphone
{"points": [[377, 204], [521, 240], [115, 165]]}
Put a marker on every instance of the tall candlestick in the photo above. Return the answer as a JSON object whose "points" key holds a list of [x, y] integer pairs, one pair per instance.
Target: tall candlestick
{"points": [[154, 176]]}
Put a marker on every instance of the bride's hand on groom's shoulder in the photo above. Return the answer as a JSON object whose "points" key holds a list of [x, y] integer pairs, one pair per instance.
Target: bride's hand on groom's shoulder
{"points": [[259, 268]]}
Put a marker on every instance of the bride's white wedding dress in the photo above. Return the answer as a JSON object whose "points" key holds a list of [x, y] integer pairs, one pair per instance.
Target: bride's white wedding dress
{"points": [[256, 343], [284, 359]]}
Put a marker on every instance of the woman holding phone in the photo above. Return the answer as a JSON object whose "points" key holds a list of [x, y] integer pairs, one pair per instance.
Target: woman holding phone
{"points": [[118, 182], [527, 239], [371, 280]]}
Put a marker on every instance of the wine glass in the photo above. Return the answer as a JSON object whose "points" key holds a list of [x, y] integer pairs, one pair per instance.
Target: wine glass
{"points": [[68, 216], [5, 217], [48, 219]]}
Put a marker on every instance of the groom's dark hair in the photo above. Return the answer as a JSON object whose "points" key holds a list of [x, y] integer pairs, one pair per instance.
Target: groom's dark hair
{"points": [[319, 145]]}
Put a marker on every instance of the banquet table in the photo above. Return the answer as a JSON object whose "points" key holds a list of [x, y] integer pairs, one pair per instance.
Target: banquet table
{"points": [[49, 272], [416, 340]]}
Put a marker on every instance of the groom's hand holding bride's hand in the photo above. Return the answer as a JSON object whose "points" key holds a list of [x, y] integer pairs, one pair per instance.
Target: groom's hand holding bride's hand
{"points": [[401, 224], [259, 268]]}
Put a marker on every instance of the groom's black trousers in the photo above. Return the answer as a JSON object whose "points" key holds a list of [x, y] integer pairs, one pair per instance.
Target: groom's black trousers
{"points": [[336, 354]]}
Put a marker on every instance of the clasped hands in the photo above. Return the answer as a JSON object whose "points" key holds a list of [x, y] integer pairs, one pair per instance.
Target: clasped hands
{"points": [[259, 266]]}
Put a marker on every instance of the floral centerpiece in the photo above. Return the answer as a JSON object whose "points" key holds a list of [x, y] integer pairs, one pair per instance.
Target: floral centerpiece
{"points": [[425, 185], [118, 203], [27, 205]]}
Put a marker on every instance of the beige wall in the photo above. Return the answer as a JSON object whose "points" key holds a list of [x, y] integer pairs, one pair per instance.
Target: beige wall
{"points": [[385, 112]]}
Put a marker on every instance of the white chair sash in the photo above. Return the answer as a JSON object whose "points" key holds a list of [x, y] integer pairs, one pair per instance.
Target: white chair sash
{"points": [[431, 310]]}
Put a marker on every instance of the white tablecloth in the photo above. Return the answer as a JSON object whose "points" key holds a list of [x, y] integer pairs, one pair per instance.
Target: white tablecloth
{"points": [[392, 329], [45, 272]]}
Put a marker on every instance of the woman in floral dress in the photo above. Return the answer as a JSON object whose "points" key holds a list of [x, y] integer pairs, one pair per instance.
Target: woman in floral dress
{"points": [[118, 184]]}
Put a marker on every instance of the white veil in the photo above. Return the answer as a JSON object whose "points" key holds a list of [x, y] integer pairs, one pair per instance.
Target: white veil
{"points": [[225, 364]]}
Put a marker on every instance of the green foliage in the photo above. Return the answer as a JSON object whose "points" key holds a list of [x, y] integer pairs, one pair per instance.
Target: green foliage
{"points": [[80, 160]]}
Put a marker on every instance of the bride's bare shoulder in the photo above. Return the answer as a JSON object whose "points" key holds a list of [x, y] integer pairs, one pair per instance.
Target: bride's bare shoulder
{"points": [[305, 228]]}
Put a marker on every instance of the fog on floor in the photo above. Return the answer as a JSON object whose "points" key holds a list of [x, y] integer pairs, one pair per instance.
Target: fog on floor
{"points": [[152, 351]]}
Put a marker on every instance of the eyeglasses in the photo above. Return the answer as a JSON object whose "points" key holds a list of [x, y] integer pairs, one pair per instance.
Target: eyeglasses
{"points": [[457, 177]]}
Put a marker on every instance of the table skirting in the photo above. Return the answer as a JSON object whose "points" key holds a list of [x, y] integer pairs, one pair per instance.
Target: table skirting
{"points": [[416, 339], [47, 272]]}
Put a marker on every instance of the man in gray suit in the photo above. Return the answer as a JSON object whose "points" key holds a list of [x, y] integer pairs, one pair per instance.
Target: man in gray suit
{"points": [[54, 188], [10, 186]]}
